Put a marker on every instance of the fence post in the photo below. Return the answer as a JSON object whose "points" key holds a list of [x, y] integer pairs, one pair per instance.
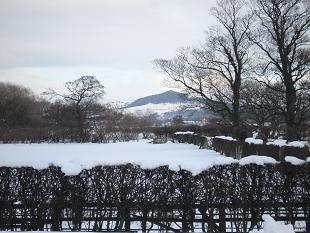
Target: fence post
{"points": [[307, 215], [222, 220], [127, 219], [239, 148], [144, 218]]}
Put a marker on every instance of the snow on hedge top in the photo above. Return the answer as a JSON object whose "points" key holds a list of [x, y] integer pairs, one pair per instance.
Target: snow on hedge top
{"points": [[254, 141], [257, 159], [294, 160], [226, 138], [282, 142], [271, 226], [278, 142], [74, 157], [186, 132]]}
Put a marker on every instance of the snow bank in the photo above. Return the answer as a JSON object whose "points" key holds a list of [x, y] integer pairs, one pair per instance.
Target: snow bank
{"points": [[271, 226], [226, 138]]}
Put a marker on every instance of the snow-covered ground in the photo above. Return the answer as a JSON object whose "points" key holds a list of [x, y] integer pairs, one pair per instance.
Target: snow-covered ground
{"points": [[74, 157]]}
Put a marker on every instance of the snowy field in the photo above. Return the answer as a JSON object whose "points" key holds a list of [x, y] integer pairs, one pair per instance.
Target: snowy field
{"points": [[73, 157]]}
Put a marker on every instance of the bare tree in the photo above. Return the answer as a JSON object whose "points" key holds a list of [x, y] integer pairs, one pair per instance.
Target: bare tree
{"points": [[81, 94], [282, 35], [262, 106], [215, 71]]}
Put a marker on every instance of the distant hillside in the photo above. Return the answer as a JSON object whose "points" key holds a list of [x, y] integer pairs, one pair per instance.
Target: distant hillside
{"points": [[167, 105], [171, 97]]}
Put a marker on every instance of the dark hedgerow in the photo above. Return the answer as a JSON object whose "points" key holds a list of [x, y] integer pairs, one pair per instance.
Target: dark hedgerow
{"points": [[111, 197]]}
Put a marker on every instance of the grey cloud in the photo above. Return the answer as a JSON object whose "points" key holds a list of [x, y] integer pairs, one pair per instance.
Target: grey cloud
{"points": [[44, 32], [120, 34]]}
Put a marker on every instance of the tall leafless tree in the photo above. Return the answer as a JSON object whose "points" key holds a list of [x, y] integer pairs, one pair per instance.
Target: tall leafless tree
{"points": [[215, 71], [262, 106], [282, 35], [81, 94]]}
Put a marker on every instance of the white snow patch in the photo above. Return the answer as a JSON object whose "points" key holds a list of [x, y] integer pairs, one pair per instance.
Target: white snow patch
{"points": [[186, 132], [160, 109], [293, 160], [254, 141], [226, 138], [272, 226], [282, 142], [278, 142], [256, 159], [300, 144]]}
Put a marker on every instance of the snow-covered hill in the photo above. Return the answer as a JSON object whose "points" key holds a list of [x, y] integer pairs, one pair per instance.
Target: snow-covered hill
{"points": [[168, 97], [168, 105]]}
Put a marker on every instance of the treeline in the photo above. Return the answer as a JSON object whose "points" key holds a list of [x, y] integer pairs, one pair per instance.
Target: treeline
{"points": [[117, 194], [73, 116], [77, 116], [253, 67]]}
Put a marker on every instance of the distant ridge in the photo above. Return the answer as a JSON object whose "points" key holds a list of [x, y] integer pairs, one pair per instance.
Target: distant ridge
{"points": [[165, 97]]}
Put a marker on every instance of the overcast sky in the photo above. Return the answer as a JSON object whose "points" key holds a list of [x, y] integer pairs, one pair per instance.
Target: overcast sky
{"points": [[44, 43]]}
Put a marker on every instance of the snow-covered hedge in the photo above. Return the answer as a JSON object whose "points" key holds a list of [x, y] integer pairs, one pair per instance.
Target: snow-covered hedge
{"points": [[242, 149], [249, 187]]}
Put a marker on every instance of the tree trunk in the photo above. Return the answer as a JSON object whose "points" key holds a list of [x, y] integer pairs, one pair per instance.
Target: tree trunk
{"points": [[291, 131], [236, 107], [80, 124]]}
